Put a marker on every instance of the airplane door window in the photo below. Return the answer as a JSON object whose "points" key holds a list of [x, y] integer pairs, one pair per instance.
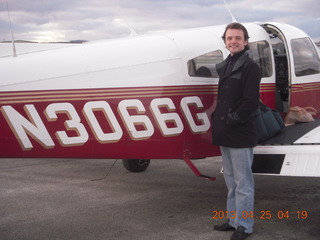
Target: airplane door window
{"points": [[260, 52], [305, 57], [205, 65]]}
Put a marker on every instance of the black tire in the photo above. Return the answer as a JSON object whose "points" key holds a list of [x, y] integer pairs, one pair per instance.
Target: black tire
{"points": [[136, 165]]}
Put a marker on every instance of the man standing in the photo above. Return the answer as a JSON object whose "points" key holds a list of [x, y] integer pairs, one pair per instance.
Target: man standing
{"points": [[233, 129]]}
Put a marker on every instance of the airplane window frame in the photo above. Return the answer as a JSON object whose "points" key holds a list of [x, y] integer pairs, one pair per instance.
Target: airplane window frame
{"points": [[204, 65], [305, 57], [260, 53]]}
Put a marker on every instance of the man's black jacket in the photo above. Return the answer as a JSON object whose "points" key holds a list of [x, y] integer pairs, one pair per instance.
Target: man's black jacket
{"points": [[238, 98]]}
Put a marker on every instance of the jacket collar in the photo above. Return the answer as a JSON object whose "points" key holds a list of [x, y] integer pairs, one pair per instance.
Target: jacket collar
{"points": [[239, 58]]}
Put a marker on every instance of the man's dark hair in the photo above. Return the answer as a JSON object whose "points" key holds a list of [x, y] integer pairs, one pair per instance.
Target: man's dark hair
{"points": [[238, 26]]}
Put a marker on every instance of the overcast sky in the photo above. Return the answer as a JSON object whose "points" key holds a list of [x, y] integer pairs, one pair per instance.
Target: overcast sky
{"points": [[65, 20]]}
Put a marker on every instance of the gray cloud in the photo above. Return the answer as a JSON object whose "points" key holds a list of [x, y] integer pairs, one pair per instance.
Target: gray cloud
{"points": [[61, 20]]}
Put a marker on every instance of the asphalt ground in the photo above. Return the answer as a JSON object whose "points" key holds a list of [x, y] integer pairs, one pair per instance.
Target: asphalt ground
{"points": [[99, 199]]}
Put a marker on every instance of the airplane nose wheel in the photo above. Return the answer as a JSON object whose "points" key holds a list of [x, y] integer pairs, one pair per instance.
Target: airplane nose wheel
{"points": [[136, 165]]}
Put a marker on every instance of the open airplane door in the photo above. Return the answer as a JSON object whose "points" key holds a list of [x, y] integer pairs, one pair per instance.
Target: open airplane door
{"points": [[296, 150]]}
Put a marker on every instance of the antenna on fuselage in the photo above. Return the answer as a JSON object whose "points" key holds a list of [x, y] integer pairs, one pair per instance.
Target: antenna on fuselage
{"points": [[123, 21], [12, 38], [132, 30], [232, 16], [126, 23]]}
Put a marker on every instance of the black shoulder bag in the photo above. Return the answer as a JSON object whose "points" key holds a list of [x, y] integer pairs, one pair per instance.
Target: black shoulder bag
{"points": [[268, 122]]}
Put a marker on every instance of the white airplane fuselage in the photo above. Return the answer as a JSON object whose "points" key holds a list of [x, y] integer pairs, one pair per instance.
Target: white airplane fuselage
{"points": [[137, 97]]}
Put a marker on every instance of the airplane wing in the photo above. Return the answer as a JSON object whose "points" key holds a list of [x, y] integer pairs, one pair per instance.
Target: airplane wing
{"points": [[32, 47], [293, 152]]}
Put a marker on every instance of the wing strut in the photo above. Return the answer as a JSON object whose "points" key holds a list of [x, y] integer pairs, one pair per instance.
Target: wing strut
{"points": [[196, 171]]}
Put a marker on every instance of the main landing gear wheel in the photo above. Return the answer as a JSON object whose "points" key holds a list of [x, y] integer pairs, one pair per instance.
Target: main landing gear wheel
{"points": [[136, 165]]}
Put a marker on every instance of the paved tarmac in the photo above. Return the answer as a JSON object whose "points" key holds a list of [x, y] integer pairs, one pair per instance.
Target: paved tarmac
{"points": [[79, 199]]}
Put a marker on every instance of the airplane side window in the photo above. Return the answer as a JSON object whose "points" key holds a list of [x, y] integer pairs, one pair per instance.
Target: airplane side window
{"points": [[260, 52], [205, 65], [305, 57]]}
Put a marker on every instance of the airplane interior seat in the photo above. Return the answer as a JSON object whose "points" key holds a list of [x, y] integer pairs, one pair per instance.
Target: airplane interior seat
{"points": [[282, 82], [203, 72]]}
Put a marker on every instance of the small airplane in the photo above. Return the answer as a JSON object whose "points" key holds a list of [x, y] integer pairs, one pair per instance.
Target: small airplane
{"points": [[151, 97]]}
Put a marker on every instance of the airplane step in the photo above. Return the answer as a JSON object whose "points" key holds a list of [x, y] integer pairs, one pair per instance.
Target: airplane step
{"points": [[196, 171]]}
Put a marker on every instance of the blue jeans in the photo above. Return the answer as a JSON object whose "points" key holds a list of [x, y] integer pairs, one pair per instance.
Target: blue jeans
{"points": [[238, 176]]}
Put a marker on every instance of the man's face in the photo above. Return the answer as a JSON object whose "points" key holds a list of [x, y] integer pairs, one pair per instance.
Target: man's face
{"points": [[235, 41]]}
